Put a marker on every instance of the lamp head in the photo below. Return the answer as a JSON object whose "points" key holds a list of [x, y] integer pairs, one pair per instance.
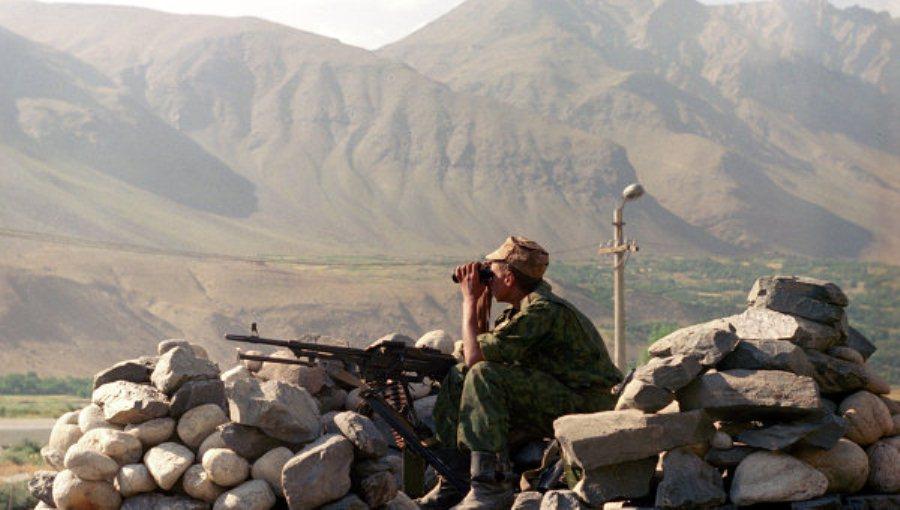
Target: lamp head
{"points": [[632, 192]]}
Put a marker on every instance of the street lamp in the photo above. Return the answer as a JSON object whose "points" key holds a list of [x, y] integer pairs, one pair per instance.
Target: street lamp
{"points": [[620, 250]]}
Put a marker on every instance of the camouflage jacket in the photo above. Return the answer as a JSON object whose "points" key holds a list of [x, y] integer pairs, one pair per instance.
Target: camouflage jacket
{"points": [[549, 334]]}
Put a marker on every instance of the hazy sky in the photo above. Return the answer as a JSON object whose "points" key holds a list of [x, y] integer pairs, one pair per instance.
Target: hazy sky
{"points": [[366, 23]]}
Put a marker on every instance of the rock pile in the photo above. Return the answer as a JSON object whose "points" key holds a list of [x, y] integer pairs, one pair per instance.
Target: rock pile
{"points": [[173, 432], [776, 404]]}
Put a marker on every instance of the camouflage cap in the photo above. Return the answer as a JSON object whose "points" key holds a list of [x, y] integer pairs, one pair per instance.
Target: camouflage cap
{"points": [[523, 254]]}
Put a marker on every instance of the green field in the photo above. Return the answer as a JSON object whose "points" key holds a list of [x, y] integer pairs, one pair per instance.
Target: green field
{"points": [[687, 291], [39, 406]]}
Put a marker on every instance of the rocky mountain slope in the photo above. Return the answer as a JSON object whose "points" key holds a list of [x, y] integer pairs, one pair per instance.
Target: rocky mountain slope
{"points": [[772, 125]]}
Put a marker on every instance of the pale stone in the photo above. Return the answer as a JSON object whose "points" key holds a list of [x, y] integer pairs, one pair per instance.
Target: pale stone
{"points": [[438, 340], [225, 467], [269, 467], [672, 373], [318, 474], [198, 423], [167, 345], [527, 500], [167, 462], [612, 437], [126, 402], [152, 432], [178, 366], [708, 343], [752, 394], [846, 465], [73, 493], [766, 477], [868, 418], [134, 371], [561, 500], [363, 433], [88, 464], [53, 457], [252, 495], [121, 446], [213, 440], [765, 324], [283, 411], [92, 417], [644, 396], [198, 485], [312, 379], [234, 374], [62, 436], [134, 479], [884, 467], [252, 364], [625, 480]]}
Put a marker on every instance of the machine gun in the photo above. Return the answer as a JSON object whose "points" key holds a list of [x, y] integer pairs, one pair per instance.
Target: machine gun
{"points": [[385, 371]]}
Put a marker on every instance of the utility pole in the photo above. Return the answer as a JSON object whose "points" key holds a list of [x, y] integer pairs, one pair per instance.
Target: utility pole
{"points": [[620, 250]]}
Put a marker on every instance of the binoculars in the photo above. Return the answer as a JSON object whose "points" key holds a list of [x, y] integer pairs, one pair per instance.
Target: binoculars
{"points": [[485, 275]]}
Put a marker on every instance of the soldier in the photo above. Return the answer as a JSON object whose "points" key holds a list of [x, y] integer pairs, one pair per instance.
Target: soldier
{"points": [[543, 359]]}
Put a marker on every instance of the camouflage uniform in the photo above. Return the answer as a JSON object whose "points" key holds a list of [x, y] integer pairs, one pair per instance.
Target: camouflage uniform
{"points": [[541, 362]]}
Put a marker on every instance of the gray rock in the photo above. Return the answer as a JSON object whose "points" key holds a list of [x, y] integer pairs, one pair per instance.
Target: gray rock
{"points": [[688, 482], [161, 502], [561, 500], [198, 423], [318, 474], [884, 467], [197, 393], [152, 432], [120, 446], [225, 467], [845, 465], [835, 375], [134, 479], [213, 440], [765, 324], [281, 410], [796, 296], [348, 502], [616, 481], [752, 394], [846, 354], [868, 418], [768, 355], [672, 373], [821, 432], [425, 410], [612, 437], [858, 342], [364, 435], [874, 502], [125, 402], [135, 371], [248, 442], [197, 483], [92, 417], [728, 458], [353, 401], [528, 500], [71, 492], [644, 396], [331, 398], [721, 441], [368, 467], [269, 467], [167, 462], [801, 286], [379, 488], [40, 486], [768, 477], [312, 379], [180, 365], [88, 464], [708, 343]]}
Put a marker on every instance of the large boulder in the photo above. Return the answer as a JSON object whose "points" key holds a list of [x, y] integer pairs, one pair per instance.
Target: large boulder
{"points": [[438, 340], [196, 393], [858, 342], [40, 486], [88, 464], [688, 482], [868, 418], [269, 467], [766, 354], [821, 432], [92, 417], [752, 394], [834, 375], [252, 495], [198, 423], [644, 396], [248, 442], [120, 446], [884, 467], [318, 474], [765, 324], [73, 493], [136, 371], [198, 485], [708, 343], [126, 402], [625, 480], [213, 440], [180, 365], [812, 299], [845, 465], [769, 477], [134, 479], [363, 433], [672, 373], [64, 434], [167, 462], [612, 437], [378, 488], [152, 432], [310, 378], [283, 411], [225, 467]]}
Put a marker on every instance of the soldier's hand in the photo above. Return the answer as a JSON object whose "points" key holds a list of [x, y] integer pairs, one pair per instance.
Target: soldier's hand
{"points": [[469, 284]]}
